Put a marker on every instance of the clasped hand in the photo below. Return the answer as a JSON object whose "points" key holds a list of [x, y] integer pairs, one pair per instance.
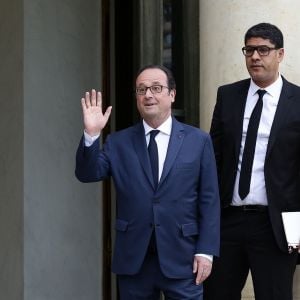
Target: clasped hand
{"points": [[202, 268]]}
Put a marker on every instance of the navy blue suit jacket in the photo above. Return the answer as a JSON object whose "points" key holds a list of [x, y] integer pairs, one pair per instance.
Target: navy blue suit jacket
{"points": [[184, 209]]}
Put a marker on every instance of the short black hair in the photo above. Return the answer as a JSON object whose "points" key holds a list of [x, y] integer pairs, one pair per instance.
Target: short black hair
{"points": [[265, 31], [170, 77]]}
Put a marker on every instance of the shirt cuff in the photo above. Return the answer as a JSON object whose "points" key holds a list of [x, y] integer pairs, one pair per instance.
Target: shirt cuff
{"points": [[209, 257], [89, 140]]}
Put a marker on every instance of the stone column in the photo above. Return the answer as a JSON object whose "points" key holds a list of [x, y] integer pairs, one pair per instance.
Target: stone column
{"points": [[222, 28], [50, 224], [11, 150]]}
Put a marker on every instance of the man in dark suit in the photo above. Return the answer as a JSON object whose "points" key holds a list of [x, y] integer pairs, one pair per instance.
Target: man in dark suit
{"points": [[167, 219], [259, 173]]}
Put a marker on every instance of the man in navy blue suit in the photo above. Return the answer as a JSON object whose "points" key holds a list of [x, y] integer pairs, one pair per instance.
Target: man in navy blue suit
{"points": [[167, 219]]}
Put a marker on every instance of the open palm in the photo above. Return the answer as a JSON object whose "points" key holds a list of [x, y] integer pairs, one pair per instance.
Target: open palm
{"points": [[93, 118]]}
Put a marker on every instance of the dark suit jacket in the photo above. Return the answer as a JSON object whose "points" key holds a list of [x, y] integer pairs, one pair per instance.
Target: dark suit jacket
{"points": [[184, 209], [282, 162]]}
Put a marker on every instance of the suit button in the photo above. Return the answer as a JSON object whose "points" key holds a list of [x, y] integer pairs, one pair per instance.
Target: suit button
{"points": [[156, 200]]}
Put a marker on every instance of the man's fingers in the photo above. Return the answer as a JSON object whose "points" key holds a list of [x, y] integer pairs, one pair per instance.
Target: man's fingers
{"points": [[93, 98], [202, 266], [202, 274], [99, 99], [108, 112], [83, 104], [195, 266], [87, 99]]}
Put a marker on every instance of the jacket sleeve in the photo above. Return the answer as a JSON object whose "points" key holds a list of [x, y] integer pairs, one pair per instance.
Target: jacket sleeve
{"points": [[209, 204], [92, 164]]}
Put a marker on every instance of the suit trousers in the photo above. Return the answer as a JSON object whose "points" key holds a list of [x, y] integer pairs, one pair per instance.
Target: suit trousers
{"points": [[248, 243], [150, 282]]}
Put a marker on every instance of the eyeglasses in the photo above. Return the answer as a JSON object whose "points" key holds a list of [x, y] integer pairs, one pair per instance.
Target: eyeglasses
{"points": [[248, 51], [154, 89]]}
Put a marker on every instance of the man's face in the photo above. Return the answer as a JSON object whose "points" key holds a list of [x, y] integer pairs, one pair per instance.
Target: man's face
{"points": [[154, 107], [263, 69]]}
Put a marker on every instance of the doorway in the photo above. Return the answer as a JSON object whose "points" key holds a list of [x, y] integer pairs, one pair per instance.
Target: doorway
{"points": [[134, 34]]}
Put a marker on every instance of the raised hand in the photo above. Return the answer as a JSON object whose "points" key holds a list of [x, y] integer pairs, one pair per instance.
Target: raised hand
{"points": [[93, 118]]}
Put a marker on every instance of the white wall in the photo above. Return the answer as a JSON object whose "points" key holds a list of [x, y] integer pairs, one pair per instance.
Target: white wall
{"points": [[222, 28]]}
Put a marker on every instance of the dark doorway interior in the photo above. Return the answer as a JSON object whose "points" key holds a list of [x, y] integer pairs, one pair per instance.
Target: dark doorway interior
{"points": [[124, 63]]}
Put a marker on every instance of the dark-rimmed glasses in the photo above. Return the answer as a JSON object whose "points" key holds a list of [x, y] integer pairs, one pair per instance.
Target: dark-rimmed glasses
{"points": [[154, 89], [261, 50]]}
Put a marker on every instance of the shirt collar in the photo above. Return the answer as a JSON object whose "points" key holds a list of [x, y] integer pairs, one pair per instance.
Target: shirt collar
{"points": [[165, 127], [274, 89]]}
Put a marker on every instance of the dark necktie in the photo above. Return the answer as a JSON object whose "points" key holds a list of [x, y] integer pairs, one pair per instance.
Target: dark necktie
{"points": [[249, 148], [153, 155]]}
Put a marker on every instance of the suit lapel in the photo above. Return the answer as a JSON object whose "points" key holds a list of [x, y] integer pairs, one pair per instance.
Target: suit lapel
{"points": [[284, 103], [139, 142], [175, 143], [238, 114]]}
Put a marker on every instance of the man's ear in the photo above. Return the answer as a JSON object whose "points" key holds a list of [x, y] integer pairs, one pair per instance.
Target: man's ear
{"points": [[280, 54], [172, 94]]}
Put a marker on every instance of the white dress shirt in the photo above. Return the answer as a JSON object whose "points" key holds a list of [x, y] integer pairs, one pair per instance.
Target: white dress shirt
{"points": [[162, 141], [257, 194]]}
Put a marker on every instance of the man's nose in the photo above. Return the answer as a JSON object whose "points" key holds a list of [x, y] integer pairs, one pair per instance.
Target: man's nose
{"points": [[148, 93], [255, 55]]}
